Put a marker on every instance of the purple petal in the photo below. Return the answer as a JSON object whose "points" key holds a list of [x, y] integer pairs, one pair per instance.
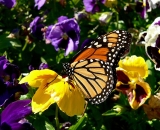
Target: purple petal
{"points": [[2, 58], [17, 126], [158, 42], [62, 18], [86, 42], [56, 43], [89, 5], [158, 23], [70, 47], [24, 125], [3, 62], [43, 66], [16, 111], [103, 1], [141, 9], [4, 97], [36, 27], [61, 33], [39, 3], [53, 33], [8, 3], [35, 21], [96, 8], [72, 29]]}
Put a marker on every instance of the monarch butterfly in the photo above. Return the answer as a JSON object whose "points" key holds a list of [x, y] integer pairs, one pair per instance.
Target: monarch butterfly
{"points": [[94, 67]]}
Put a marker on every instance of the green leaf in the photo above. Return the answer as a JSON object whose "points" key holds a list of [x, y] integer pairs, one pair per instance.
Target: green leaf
{"points": [[49, 126], [7, 42], [79, 124]]}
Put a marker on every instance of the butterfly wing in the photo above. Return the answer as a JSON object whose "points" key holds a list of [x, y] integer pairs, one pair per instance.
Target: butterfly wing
{"points": [[95, 79], [94, 67], [106, 47]]}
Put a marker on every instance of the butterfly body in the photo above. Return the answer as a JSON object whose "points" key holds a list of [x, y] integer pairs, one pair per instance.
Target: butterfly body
{"points": [[94, 67]]}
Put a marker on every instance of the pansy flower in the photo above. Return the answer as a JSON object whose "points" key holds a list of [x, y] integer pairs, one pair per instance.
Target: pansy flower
{"points": [[36, 28], [10, 89], [92, 6], [130, 74], [13, 116], [54, 89], [151, 40], [8, 3], [145, 6], [142, 7], [65, 34]]}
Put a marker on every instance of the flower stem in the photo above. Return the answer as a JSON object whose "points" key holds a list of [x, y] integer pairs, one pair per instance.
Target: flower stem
{"points": [[56, 118], [24, 47]]}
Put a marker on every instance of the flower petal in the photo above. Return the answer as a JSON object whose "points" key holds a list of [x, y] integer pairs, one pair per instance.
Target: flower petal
{"points": [[70, 47], [136, 64], [68, 97], [141, 93], [39, 3], [16, 111], [38, 78], [40, 104]]}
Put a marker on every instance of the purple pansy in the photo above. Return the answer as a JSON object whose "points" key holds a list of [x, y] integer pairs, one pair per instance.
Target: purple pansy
{"points": [[9, 73], [13, 116], [146, 6], [64, 34], [43, 66], [8, 3], [36, 28], [92, 6], [142, 8], [39, 3]]}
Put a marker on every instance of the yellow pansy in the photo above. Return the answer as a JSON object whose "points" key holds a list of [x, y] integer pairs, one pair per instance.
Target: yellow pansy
{"points": [[131, 84], [136, 64], [52, 88]]}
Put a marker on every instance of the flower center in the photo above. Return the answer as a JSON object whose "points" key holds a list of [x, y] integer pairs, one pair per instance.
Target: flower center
{"points": [[65, 36], [159, 51]]}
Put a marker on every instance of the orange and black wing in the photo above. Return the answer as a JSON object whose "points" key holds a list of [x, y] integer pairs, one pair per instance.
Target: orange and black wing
{"points": [[94, 78], [106, 47], [94, 67]]}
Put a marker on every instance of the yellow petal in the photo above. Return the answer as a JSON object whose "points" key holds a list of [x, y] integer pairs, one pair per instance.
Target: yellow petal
{"points": [[134, 63], [38, 78], [141, 94], [41, 100], [69, 99]]}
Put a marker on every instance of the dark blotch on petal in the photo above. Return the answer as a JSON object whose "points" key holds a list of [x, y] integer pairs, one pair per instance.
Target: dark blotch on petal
{"points": [[154, 54], [5, 126], [139, 6], [158, 42], [122, 77], [140, 93], [2, 86], [123, 87]]}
